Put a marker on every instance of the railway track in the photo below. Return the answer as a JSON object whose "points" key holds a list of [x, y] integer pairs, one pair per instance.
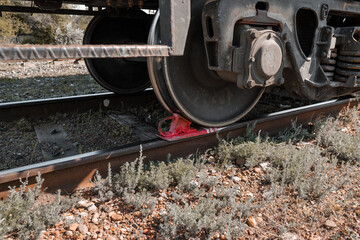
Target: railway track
{"points": [[75, 172], [46, 107]]}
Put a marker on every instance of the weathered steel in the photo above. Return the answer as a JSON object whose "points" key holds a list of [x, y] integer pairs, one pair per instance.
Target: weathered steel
{"points": [[309, 30], [174, 23], [39, 52], [75, 172], [46, 107]]}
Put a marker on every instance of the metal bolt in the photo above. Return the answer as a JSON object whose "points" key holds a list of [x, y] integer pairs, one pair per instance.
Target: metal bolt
{"points": [[250, 84], [252, 59]]}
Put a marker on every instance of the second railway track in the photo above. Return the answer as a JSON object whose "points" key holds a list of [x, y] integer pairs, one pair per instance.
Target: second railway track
{"points": [[75, 172]]}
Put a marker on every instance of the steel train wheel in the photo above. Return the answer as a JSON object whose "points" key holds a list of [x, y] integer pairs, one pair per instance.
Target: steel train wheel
{"points": [[185, 83], [120, 75], [156, 70]]}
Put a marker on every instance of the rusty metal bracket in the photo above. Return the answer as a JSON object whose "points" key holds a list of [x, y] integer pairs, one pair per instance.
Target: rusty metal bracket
{"points": [[38, 52]]}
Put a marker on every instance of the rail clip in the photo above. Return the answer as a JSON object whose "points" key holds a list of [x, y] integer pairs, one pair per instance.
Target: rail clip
{"points": [[180, 129]]}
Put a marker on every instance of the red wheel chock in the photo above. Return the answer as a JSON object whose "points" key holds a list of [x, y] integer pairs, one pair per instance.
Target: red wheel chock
{"points": [[180, 129]]}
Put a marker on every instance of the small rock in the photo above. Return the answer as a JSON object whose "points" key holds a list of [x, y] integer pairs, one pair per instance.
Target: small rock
{"points": [[357, 211], [194, 184], [137, 214], [115, 217], [240, 161], [212, 171], [216, 235], [69, 233], [134, 225], [330, 224], [93, 228], [163, 195], [236, 179], [73, 226], [315, 238], [70, 218], [83, 229], [84, 214], [250, 195], [92, 208], [95, 220], [265, 165], [211, 159], [84, 204], [106, 208], [251, 222], [257, 170], [289, 236]]}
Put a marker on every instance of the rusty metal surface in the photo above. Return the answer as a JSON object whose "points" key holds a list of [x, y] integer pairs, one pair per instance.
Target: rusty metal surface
{"points": [[75, 172], [45, 107], [37, 52]]}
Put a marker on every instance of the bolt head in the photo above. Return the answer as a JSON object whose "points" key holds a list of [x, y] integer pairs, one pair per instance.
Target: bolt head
{"points": [[250, 84]]}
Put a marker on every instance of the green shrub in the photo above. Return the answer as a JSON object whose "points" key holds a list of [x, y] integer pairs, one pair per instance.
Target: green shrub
{"points": [[21, 213], [336, 142], [210, 214]]}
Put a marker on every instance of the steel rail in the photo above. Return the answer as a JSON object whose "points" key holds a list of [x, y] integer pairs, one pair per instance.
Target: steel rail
{"points": [[75, 172], [46, 107]]}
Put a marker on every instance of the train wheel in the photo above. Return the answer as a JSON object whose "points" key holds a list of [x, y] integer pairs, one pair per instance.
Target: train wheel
{"points": [[156, 70], [119, 75], [185, 84]]}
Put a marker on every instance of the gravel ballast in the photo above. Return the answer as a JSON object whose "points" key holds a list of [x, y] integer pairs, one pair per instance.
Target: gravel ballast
{"points": [[21, 81]]}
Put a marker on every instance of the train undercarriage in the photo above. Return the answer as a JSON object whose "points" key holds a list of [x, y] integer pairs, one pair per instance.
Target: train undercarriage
{"points": [[211, 60]]}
